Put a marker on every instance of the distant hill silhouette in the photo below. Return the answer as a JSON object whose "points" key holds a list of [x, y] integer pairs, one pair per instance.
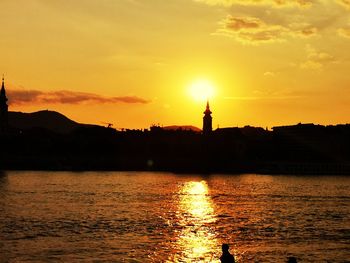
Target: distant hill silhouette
{"points": [[182, 127], [50, 120]]}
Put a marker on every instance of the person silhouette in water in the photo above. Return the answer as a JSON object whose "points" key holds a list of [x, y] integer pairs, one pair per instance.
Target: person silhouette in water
{"points": [[292, 260], [226, 256]]}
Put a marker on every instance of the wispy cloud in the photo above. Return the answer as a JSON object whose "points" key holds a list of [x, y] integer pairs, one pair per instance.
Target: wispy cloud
{"points": [[272, 94], [269, 74], [269, 21], [345, 3], [275, 3], [20, 97], [344, 32], [317, 59], [263, 97], [253, 30]]}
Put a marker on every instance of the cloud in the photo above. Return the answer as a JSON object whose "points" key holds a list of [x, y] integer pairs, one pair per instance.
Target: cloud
{"points": [[272, 94], [259, 21], [275, 3], [20, 97], [250, 29], [316, 60], [241, 23], [248, 98], [345, 3], [308, 31], [302, 29], [344, 32], [281, 96], [269, 74], [253, 30]]}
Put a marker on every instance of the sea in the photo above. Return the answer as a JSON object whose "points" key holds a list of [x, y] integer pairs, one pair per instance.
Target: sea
{"points": [[167, 217]]}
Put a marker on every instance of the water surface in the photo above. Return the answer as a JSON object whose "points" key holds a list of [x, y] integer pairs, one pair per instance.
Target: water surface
{"points": [[163, 217]]}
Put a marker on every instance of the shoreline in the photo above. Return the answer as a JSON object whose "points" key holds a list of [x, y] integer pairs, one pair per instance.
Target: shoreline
{"points": [[308, 169]]}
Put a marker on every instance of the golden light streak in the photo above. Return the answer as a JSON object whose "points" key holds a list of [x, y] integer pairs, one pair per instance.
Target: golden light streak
{"points": [[197, 242]]}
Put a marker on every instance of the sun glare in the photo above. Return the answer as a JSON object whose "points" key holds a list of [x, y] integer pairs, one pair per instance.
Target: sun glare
{"points": [[201, 90]]}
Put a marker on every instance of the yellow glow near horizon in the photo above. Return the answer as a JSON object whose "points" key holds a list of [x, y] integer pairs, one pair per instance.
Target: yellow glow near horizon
{"points": [[201, 90]]}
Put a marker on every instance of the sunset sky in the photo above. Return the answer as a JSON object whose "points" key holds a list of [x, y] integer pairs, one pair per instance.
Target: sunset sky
{"points": [[133, 63]]}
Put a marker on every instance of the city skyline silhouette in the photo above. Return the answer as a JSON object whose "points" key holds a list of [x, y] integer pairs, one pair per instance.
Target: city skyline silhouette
{"points": [[49, 137]]}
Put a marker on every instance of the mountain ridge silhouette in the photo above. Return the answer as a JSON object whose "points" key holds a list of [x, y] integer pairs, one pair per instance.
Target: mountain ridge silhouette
{"points": [[50, 120], [182, 127]]}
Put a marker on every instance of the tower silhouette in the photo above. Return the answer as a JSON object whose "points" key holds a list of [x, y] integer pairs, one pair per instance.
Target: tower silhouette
{"points": [[3, 108], [207, 120]]}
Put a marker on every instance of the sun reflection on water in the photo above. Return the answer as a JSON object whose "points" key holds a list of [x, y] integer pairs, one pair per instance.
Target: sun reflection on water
{"points": [[197, 241]]}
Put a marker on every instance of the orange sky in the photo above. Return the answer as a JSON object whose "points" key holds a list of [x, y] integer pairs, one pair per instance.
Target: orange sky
{"points": [[132, 62]]}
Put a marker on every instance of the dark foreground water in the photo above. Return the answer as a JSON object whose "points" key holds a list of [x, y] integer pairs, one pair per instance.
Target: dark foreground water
{"points": [[162, 217]]}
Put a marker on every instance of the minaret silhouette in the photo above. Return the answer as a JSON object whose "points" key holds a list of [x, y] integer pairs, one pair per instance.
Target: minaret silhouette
{"points": [[207, 120], [3, 108]]}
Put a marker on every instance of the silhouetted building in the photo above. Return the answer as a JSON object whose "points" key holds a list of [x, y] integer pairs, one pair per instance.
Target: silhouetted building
{"points": [[3, 108], [207, 120]]}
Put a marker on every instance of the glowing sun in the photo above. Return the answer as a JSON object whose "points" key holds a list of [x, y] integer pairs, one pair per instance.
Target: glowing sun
{"points": [[201, 90]]}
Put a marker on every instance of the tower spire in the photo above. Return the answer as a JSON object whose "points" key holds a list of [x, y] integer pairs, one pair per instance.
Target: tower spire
{"points": [[207, 120], [207, 109], [3, 92], [3, 108]]}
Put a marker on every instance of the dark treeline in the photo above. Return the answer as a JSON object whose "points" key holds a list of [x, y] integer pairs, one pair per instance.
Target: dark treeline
{"points": [[300, 149]]}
